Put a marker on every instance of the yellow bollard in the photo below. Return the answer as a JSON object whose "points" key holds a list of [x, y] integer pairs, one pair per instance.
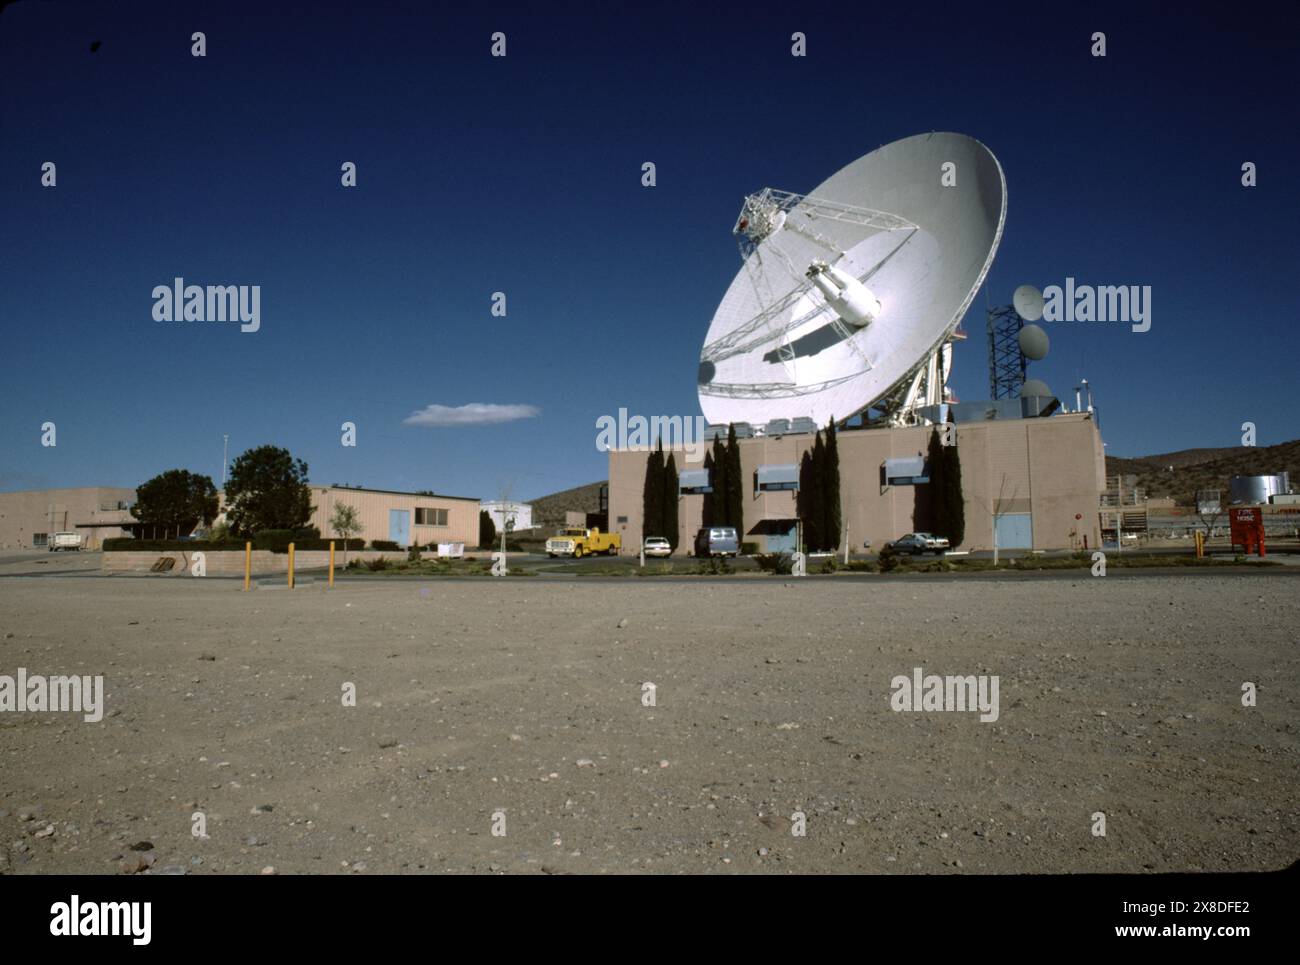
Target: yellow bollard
{"points": [[248, 565], [331, 563], [291, 566]]}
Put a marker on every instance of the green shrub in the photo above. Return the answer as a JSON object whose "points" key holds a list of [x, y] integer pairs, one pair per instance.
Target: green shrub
{"points": [[384, 544], [278, 540], [377, 564], [890, 559], [748, 549], [413, 554], [780, 564]]}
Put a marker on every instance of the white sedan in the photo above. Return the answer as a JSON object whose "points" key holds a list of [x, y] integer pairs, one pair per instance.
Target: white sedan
{"points": [[657, 546]]}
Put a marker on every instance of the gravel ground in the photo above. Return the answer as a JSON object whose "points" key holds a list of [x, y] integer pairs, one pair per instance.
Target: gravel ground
{"points": [[1117, 695]]}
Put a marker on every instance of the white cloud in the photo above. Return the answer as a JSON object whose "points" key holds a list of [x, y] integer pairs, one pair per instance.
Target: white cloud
{"points": [[470, 414]]}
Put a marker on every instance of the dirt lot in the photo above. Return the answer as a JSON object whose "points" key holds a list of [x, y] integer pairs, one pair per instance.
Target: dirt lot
{"points": [[1117, 695]]}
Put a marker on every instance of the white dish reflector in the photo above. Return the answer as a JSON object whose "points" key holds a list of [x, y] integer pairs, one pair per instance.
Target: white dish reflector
{"points": [[847, 292]]}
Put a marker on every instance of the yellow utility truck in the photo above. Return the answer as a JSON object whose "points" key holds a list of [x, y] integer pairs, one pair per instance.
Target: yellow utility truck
{"points": [[578, 542]]}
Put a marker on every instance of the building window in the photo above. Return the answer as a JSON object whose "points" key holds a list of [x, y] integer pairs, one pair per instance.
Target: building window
{"points": [[40, 539], [776, 478], [904, 471], [430, 517]]}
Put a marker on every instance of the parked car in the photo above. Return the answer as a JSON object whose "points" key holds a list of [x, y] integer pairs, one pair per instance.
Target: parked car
{"points": [[917, 543], [64, 541], [717, 541], [657, 546]]}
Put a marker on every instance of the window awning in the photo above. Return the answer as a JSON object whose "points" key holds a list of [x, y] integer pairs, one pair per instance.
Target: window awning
{"points": [[781, 474], [905, 466], [693, 480], [905, 470]]}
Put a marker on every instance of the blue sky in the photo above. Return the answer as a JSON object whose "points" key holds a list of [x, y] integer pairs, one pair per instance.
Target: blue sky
{"points": [[522, 175]]}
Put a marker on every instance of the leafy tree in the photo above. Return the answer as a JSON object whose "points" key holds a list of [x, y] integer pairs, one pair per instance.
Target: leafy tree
{"points": [[834, 525], [267, 489], [652, 494], [176, 500], [735, 484], [670, 521], [487, 530], [346, 521]]}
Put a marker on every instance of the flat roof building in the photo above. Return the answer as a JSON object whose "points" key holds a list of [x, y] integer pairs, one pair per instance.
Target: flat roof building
{"points": [[1038, 480], [28, 518], [399, 517]]}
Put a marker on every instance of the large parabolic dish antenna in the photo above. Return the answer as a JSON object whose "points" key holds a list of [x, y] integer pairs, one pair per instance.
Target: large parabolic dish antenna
{"points": [[849, 296]]}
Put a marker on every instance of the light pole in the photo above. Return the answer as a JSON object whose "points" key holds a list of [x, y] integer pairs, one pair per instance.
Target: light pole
{"points": [[225, 457]]}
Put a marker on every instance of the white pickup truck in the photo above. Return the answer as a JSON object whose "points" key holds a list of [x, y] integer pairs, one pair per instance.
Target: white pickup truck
{"points": [[64, 541]]}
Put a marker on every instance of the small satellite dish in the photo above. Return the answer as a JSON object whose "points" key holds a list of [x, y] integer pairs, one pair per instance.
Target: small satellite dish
{"points": [[1034, 387], [1033, 342], [1028, 302], [848, 296]]}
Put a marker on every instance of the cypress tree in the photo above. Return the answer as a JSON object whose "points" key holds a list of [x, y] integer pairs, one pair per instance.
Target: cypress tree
{"points": [[808, 499], [936, 460], [652, 495], [954, 500], [831, 491], [670, 501], [707, 505], [718, 498], [819, 493], [735, 494]]}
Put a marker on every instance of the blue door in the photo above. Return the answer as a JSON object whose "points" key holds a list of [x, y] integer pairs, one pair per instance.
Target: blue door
{"points": [[1015, 531], [399, 526], [781, 542]]}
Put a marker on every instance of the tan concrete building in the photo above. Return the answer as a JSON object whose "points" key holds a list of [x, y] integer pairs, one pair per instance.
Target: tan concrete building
{"points": [[100, 512], [402, 518], [96, 512], [1040, 479]]}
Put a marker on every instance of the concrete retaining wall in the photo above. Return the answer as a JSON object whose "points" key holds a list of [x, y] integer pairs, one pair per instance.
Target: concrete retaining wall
{"points": [[231, 562]]}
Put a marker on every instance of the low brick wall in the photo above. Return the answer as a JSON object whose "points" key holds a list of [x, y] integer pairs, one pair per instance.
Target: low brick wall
{"points": [[231, 562]]}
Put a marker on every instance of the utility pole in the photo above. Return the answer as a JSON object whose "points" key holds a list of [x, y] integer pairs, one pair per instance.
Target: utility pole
{"points": [[225, 457]]}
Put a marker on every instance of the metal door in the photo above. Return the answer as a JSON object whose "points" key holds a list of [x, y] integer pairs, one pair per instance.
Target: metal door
{"points": [[399, 526], [781, 542], [1016, 531]]}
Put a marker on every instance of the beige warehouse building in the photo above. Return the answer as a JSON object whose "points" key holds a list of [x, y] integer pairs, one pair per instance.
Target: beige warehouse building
{"points": [[101, 512], [96, 512], [402, 518], [1038, 480]]}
